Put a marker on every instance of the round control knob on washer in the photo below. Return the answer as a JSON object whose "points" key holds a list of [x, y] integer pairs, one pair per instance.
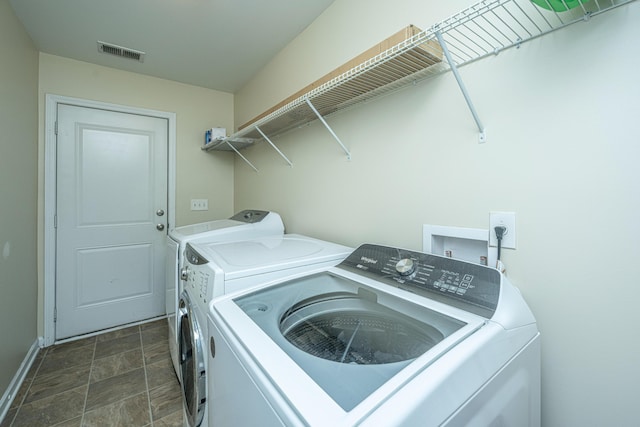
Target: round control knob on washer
{"points": [[184, 273], [405, 267]]}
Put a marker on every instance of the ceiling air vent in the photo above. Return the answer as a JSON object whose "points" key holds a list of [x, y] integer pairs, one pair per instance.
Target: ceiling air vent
{"points": [[123, 52]]}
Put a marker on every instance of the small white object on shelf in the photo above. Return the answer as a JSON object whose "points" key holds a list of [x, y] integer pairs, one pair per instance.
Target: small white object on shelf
{"points": [[214, 134]]}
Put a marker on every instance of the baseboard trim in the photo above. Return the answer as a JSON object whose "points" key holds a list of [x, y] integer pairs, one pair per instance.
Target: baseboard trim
{"points": [[15, 384]]}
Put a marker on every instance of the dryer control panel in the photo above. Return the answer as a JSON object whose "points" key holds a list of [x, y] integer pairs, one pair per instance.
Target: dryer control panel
{"points": [[197, 278], [468, 286], [250, 216]]}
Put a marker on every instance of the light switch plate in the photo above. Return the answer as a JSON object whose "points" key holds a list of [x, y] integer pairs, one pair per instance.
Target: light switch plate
{"points": [[199, 204]]}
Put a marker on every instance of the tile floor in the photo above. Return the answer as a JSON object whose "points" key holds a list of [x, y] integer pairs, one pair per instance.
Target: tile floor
{"points": [[120, 378]]}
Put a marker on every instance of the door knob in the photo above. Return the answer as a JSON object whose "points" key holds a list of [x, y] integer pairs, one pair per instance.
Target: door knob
{"points": [[160, 227], [159, 212]]}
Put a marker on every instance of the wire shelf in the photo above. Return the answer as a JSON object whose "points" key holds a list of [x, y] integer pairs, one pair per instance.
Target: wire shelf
{"points": [[485, 28]]}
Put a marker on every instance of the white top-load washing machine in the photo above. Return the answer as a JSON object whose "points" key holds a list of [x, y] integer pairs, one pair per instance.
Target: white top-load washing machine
{"points": [[243, 225], [214, 269], [389, 337]]}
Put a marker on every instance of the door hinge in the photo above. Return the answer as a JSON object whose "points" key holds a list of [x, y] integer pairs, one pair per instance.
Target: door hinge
{"points": [[55, 221], [55, 127], [55, 315]]}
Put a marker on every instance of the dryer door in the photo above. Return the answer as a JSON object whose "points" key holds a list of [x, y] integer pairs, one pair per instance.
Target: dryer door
{"points": [[192, 362]]}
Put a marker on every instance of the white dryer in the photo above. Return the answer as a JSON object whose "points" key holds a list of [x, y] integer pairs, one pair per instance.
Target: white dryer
{"points": [[215, 269], [243, 225], [389, 337]]}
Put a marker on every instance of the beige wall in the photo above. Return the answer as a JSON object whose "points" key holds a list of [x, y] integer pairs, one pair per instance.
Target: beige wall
{"points": [[18, 194], [562, 152], [198, 174]]}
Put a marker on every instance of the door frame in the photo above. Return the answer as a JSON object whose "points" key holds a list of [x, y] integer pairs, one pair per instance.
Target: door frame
{"points": [[50, 174]]}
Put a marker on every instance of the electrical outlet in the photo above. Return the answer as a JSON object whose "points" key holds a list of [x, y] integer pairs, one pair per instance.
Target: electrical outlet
{"points": [[199, 204], [507, 220]]}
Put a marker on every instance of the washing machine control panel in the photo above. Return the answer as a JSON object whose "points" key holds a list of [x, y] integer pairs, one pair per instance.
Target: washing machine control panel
{"points": [[472, 287]]}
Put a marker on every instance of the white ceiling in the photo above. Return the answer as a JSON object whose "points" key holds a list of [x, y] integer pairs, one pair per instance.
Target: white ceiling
{"points": [[218, 44]]}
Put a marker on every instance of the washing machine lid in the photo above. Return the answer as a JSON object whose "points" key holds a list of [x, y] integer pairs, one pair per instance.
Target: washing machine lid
{"points": [[351, 338], [265, 254]]}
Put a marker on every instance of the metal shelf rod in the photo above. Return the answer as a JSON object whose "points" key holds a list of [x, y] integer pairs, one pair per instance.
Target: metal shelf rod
{"points": [[324, 122], [463, 88], [238, 153], [266, 138]]}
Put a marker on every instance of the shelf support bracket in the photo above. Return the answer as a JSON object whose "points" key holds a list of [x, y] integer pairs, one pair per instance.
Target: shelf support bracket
{"points": [[238, 153], [329, 128], [273, 145], [454, 69]]}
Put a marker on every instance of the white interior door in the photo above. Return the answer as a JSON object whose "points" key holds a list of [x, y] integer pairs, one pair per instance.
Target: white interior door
{"points": [[111, 206]]}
